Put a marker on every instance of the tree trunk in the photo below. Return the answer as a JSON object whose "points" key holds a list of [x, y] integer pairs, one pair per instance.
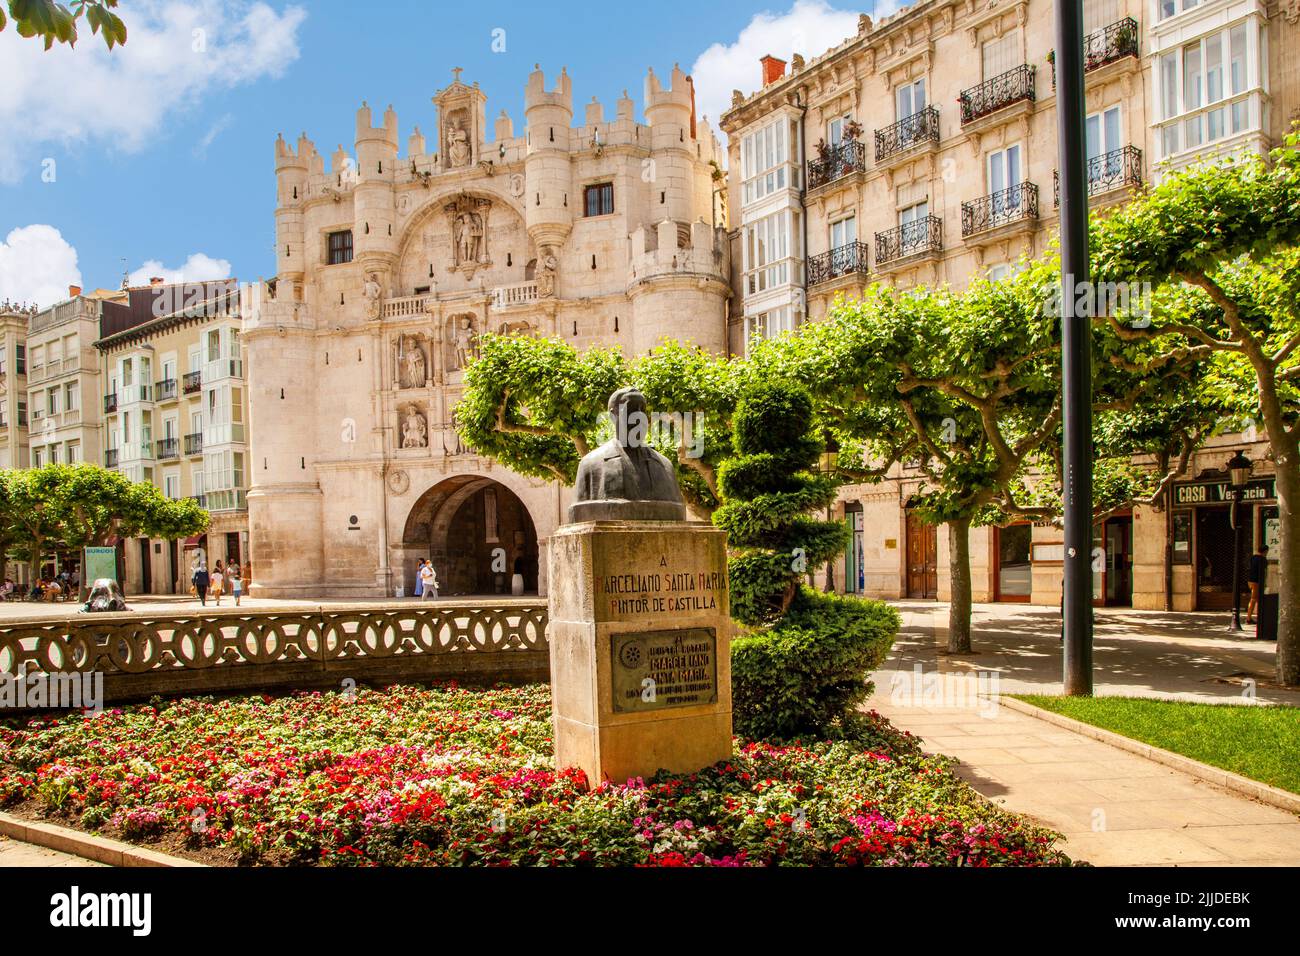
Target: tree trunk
{"points": [[1288, 624], [959, 572]]}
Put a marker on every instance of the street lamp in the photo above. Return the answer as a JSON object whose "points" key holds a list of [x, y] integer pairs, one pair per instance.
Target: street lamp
{"points": [[1238, 473], [827, 463]]}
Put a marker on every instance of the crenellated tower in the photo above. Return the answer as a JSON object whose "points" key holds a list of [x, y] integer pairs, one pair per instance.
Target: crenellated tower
{"points": [[548, 167], [373, 237]]}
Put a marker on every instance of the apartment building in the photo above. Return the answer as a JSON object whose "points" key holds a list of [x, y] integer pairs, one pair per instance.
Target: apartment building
{"points": [[175, 407], [63, 381], [922, 151], [13, 384]]}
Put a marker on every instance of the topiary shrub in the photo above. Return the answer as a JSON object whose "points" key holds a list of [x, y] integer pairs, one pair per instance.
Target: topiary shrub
{"points": [[802, 665]]}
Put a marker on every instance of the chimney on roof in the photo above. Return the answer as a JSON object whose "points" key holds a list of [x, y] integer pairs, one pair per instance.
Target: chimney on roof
{"points": [[74, 291], [156, 281], [773, 69]]}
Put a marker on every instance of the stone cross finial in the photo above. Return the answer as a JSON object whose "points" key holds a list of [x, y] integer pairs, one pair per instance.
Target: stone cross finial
{"points": [[456, 71]]}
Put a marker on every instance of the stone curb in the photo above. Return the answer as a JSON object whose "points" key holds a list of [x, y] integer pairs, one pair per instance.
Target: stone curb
{"points": [[1242, 786], [89, 847]]}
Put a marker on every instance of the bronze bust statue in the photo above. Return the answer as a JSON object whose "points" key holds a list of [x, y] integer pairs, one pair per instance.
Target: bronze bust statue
{"points": [[625, 479]]}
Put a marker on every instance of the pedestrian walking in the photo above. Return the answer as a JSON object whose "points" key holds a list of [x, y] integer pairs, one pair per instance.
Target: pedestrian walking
{"points": [[200, 581], [419, 578], [428, 581], [1255, 578], [235, 577], [216, 582]]}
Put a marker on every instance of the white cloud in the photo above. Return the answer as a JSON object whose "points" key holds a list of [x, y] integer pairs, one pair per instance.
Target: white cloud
{"points": [[215, 130], [197, 268], [37, 265], [175, 54], [809, 28]]}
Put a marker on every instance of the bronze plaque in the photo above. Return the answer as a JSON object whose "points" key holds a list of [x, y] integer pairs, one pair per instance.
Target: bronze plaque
{"points": [[655, 670]]}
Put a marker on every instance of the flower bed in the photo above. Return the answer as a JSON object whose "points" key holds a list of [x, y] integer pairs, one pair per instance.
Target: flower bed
{"points": [[446, 775]]}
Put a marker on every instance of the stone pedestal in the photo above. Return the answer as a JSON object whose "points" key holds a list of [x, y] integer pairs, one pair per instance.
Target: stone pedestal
{"points": [[640, 644]]}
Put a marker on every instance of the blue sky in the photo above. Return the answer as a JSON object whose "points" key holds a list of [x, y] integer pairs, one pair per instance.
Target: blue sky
{"points": [[158, 156]]}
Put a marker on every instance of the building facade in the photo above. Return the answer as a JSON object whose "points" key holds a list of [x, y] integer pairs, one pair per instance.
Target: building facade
{"points": [[922, 151], [601, 232], [63, 382], [175, 414], [14, 451]]}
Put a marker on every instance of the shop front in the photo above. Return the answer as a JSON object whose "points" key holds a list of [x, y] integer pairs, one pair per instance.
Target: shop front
{"points": [[1205, 523]]}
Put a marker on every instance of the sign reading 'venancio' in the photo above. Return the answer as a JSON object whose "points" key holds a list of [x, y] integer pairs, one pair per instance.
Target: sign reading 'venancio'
{"points": [[653, 670]]}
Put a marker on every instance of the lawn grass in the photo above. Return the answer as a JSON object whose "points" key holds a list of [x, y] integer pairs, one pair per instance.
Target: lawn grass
{"points": [[1259, 742]]}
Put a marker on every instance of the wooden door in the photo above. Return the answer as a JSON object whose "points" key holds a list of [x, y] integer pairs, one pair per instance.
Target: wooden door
{"points": [[922, 559]]}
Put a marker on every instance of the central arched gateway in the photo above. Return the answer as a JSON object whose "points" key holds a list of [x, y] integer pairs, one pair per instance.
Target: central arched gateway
{"points": [[478, 534]]}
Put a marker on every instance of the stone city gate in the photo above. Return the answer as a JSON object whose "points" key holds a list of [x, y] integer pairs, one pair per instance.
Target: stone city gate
{"points": [[477, 532]]}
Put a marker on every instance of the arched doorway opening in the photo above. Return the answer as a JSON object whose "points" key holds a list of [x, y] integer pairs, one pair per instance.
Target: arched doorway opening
{"points": [[478, 534]]}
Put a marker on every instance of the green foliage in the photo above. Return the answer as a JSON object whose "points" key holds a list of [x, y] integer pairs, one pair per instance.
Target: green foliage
{"points": [[69, 507], [53, 21], [807, 675]]}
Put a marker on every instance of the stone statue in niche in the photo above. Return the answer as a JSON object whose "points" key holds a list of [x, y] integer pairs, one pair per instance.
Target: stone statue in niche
{"points": [[467, 218], [373, 293], [458, 148], [412, 367], [415, 430], [464, 341], [546, 269]]}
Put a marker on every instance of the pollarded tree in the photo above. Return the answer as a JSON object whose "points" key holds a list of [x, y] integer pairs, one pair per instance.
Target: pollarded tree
{"points": [[1229, 231]]}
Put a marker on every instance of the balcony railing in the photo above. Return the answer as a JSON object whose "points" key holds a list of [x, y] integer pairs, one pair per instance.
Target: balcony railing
{"points": [[838, 161], [1000, 208], [1118, 169], [910, 239], [521, 293], [1110, 43], [998, 93], [169, 448], [194, 443], [110, 458], [165, 390], [840, 261], [921, 127], [192, 382], [110, 402]]}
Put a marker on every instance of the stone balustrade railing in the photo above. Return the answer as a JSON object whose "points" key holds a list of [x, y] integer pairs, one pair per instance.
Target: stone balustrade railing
{"points": [[518, 294], [308, 646], [405, 306]]}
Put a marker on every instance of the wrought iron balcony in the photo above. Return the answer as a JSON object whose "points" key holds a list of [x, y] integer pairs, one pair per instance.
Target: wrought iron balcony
{"points": [[192, 382], [110, 402], [110, 458], [194, 443], [910, 239], [1117, 169], [165, 390], [840, 261], [1112, 42], [169, 448], [920, 127], [998, 93], [837, 162], [1000, 208]]}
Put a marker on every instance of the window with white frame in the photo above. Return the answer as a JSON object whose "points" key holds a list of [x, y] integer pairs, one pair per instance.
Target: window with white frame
{"points": [[1102, 132], [72, 396], [768, 247], [835, 129], [172, 485], [1003, 170], [909, 99], [998, 272], [74, 452], [844, 232], [1168, 8], [770, 324], [1203, 89], [38, 457], [765, 159]]}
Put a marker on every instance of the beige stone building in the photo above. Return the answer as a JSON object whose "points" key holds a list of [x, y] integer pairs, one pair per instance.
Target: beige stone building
{"points": [[175, 413], [13, 384], [63, 382], [600, 230], [922, 151]]}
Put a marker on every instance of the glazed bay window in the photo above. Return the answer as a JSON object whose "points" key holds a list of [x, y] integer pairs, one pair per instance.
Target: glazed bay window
{"points": [[770, 324], [1204, 89], [769, 247], [598, 200], [766, 160], [224, 481], [1168, 8]]}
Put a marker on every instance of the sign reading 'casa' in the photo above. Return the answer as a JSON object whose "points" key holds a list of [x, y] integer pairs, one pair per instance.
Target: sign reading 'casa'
{"points": [[1221, 492]]}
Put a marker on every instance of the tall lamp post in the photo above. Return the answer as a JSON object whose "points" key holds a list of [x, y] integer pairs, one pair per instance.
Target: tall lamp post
{"points": [[829, 461], [1076, 353], [1239, 474]]}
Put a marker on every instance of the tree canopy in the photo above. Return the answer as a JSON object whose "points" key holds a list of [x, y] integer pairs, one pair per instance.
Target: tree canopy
{"points": [[51, 21]]}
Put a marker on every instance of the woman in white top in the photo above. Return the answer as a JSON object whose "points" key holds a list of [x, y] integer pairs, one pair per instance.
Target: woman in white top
{"points": [[428, 582], [215, 583]]}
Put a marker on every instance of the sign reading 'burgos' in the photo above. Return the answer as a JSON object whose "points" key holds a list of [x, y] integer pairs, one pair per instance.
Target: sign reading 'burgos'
{"points": [[1221, 492]]}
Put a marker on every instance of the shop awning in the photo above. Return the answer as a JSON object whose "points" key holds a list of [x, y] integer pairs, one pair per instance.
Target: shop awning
{"points": [[196, 541]]}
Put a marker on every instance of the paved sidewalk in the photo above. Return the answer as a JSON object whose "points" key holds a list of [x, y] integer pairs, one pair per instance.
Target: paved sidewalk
{"points": [[1115, 808], [15, 853]]}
